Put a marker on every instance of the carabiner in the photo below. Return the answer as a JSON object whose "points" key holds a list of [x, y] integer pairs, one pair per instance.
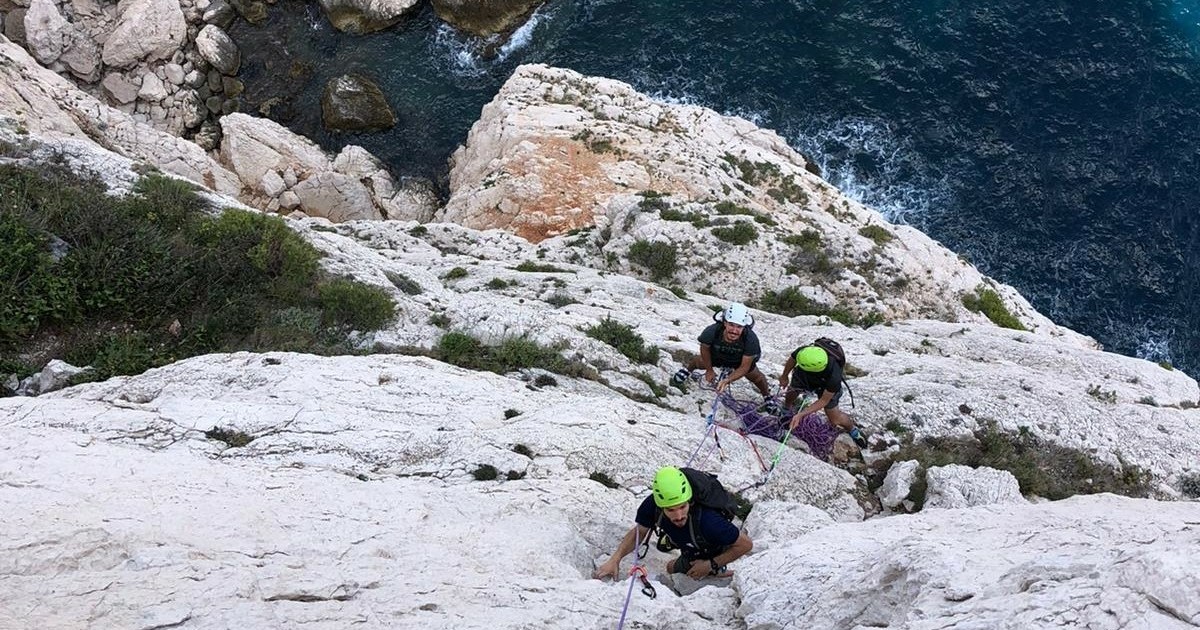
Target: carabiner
{"points": [[647, 587]]}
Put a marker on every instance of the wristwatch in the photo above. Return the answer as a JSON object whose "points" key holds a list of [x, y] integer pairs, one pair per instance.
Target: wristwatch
{"points": [[716, 568]]}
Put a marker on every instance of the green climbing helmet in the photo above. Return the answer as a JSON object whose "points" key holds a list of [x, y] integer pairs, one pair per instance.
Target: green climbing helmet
{"points": [[671, 487], [812, 359]]}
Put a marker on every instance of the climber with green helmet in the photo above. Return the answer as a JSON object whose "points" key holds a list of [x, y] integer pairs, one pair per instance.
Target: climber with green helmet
{"points": [[731, 343], [706, 540], [821, 375]]}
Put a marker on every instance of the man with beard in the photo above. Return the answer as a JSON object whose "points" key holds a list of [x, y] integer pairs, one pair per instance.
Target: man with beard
{"points": [[729, 343], [706, 540]]}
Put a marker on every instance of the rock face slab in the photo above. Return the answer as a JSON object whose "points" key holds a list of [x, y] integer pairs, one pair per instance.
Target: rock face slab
{"points": [[146, 30], [366, 16], [957, 486], [485, 17], [1097, 561], [352, 102]]}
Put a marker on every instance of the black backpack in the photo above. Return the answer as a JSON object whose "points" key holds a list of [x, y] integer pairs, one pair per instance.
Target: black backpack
{"points": [[834, 349]]}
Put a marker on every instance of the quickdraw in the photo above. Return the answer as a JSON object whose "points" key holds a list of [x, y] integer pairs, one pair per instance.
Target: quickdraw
{"points": [[647, 588]]}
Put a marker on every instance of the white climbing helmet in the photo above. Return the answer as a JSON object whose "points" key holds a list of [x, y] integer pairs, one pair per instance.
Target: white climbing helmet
{"points": [[738, 314]]}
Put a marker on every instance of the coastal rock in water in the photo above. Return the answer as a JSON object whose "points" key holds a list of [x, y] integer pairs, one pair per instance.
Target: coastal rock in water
{"points": [[365, 16], [957, 486], [146, 30], [45, 31], [485, 17], [353, 102], [219, 50]]}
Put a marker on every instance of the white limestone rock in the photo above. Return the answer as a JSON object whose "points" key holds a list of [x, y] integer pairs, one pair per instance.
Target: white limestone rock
{"points": [[146, 30], [219, 50], [56, 375], [957, 486], [336, 197], [119, 89], [45, 31], [1094, 561], [53, 110], [152, 89], [897, 484]]}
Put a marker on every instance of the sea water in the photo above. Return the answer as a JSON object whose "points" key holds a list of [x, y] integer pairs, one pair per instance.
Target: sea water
{"points": [[1056, 145]]}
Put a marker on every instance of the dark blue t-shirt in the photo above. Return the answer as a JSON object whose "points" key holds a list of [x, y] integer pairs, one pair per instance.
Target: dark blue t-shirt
{"points": [[716, 532], [725, 354]]}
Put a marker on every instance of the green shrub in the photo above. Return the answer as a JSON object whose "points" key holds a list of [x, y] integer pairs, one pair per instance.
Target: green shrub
{"points": [[695, 218], [988, 302], [485, 472], [604, 479], [459, 349], [513, 353], [559, 300], [403, 282], [789, 302], [652, 202], [455, 273], [418, 231], [624, 339], [231, 437], [1041, 468], [497, 283], [128, 268], [739, 233], [808, 240], [355, 305], [1189, 485], [658, 258], [441, 320], [728, 207], [532, 267], [877, 233]]}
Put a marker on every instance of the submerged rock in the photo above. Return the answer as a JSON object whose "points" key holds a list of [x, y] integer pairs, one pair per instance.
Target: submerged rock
{"points": [[365, 16], [485, 17], [353, 102]]}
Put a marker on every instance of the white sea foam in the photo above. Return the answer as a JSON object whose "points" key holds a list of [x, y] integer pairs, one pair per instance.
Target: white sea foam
{"points": [[462, 53], [866, 160]]}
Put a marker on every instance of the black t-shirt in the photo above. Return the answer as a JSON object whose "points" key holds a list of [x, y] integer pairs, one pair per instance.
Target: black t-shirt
{"points": [[725, 354], [827, 380]]}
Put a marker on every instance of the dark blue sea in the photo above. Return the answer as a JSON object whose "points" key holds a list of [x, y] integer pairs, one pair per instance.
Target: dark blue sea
{"points": [[1056, 145]]}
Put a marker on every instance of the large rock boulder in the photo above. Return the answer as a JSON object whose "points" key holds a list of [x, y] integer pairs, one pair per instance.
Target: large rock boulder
{"points": [[352, 102], [485, 17], [146, 30], [219, 50], [45, 31], [366, 16], [957, 486]]}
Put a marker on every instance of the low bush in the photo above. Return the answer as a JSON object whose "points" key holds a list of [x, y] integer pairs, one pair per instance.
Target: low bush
{"points": [[624, 339], [485, 472], [231, 437], [988, 302], [127, 283], [739, 233], [877, 233], [1041, 468], [403, 282], [658, 258], [531, 267]]}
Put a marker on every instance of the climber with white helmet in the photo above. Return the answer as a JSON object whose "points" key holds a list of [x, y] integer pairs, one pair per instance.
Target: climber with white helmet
{"points": [[728, 343]]}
